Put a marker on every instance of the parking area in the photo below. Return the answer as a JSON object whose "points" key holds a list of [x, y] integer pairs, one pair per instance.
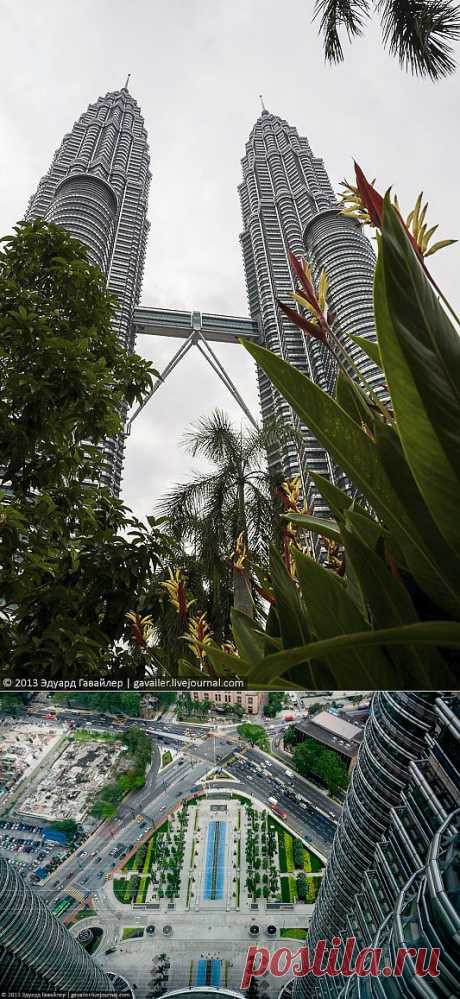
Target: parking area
{"points": [[28, 849]]}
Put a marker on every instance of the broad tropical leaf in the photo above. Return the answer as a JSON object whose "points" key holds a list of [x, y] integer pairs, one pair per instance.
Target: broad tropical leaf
{"points": [[445, 634], [332, 611], [421, 355]]}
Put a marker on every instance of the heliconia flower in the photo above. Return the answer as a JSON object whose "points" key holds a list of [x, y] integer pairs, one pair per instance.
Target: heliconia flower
{"points": [[335, 554], [417, 227], [230, 648], [198, 634], [313, 329], [302, 270], [365, 204], [140, 627], [291, 495], [240, 555], [265, 594], [175, 587]]}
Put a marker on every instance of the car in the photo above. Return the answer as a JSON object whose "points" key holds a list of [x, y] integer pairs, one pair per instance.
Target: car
{"points": [[100, 874], [110, 950]]}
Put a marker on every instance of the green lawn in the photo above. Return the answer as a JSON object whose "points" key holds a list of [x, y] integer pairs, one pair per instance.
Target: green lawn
{"points": [[296, 933], [142, 891], [83, 735], [132, 931], [166, 758], [84, 913], [148, 856], [316, 863], [119, 888], [288, 843], [288, 889]]}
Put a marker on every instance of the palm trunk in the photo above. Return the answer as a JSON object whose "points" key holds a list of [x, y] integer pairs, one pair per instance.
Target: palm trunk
{"points": [[242, 598]]}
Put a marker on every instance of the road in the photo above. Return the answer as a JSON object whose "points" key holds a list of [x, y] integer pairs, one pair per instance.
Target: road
{"points": [[310, 812], [151, 804]]}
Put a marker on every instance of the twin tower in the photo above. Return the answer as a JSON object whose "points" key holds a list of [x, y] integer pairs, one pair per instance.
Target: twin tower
{"points": [[97, 189]]}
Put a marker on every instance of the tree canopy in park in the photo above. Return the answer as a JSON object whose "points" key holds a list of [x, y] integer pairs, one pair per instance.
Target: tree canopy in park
{"points": [[310, 757], [255, 734], [73, 559]]}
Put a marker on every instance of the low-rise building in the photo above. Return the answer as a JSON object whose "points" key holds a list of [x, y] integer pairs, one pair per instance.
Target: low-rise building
{"points": [[334, 733], [251, 701]]}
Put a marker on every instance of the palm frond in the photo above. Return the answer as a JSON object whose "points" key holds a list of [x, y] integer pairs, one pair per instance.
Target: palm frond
{"points": [[417, 32], [188, 499], [336, 14], [213, 438]]}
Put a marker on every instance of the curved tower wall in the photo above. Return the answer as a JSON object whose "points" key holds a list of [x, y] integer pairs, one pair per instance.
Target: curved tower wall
{"points": [[392, 879], [97, 188], [87, 208], [336, 243], [36, 950], [393, 737], [283, 187], [288, 203]]}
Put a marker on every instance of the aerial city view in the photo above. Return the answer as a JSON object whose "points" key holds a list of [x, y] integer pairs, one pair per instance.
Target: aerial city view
{"points": [[154, 849]]}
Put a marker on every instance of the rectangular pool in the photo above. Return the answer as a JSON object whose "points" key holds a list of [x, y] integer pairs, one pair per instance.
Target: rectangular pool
{"points": [[208, 973], [215, 861]]}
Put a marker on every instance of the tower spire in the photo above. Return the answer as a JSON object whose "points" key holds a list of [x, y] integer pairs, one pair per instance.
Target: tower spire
{"points": [[262, 102], [127, 81]]}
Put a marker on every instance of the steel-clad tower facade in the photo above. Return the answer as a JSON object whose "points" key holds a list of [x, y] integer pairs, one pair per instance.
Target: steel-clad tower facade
{"points": [[288, 203], [37, 953], [97, 189], [393, 877]]}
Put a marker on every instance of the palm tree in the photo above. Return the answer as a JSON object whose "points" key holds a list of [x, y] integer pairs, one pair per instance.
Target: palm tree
{"points": [[220, 515], [416, 31]]}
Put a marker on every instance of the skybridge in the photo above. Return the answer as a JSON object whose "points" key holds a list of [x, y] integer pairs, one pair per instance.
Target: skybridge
{"points": [[194, 329]]}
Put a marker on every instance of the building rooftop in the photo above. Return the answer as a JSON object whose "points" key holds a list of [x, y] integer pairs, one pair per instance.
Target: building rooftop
{"points": [[333, 732], [338, 726]]}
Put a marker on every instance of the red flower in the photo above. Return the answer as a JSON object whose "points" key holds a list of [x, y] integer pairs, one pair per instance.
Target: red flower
{"points": [[308, 327]]}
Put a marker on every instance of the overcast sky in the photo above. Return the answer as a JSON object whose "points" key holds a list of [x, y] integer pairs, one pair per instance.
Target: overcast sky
{"points": [[197, 68]]}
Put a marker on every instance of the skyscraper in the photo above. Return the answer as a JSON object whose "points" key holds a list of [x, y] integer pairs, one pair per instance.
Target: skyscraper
{"points": [[288, 203], [393, 877], [97, 189], [37, 953]]}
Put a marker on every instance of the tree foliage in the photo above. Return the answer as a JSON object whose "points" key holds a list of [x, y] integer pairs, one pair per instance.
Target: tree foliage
{"points": [[417, 32], [139, 749], [110, 702], [73, 561], [275, 703], [310, 757], [255, 734]]}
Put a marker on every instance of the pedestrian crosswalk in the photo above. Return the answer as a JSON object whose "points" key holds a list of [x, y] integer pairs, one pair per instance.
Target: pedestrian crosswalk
{"points": [[76, 893]]}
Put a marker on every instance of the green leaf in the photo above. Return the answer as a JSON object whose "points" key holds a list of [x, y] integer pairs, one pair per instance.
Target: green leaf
{"points": [[187, 669], [317, 525], [337, 499], [291, 614], [227, 664], [390, 604], [352, 400], [251, 642], [331, 611], [370, 348], [435, 569], [421, 355], [437, 633], [354, 452]]}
